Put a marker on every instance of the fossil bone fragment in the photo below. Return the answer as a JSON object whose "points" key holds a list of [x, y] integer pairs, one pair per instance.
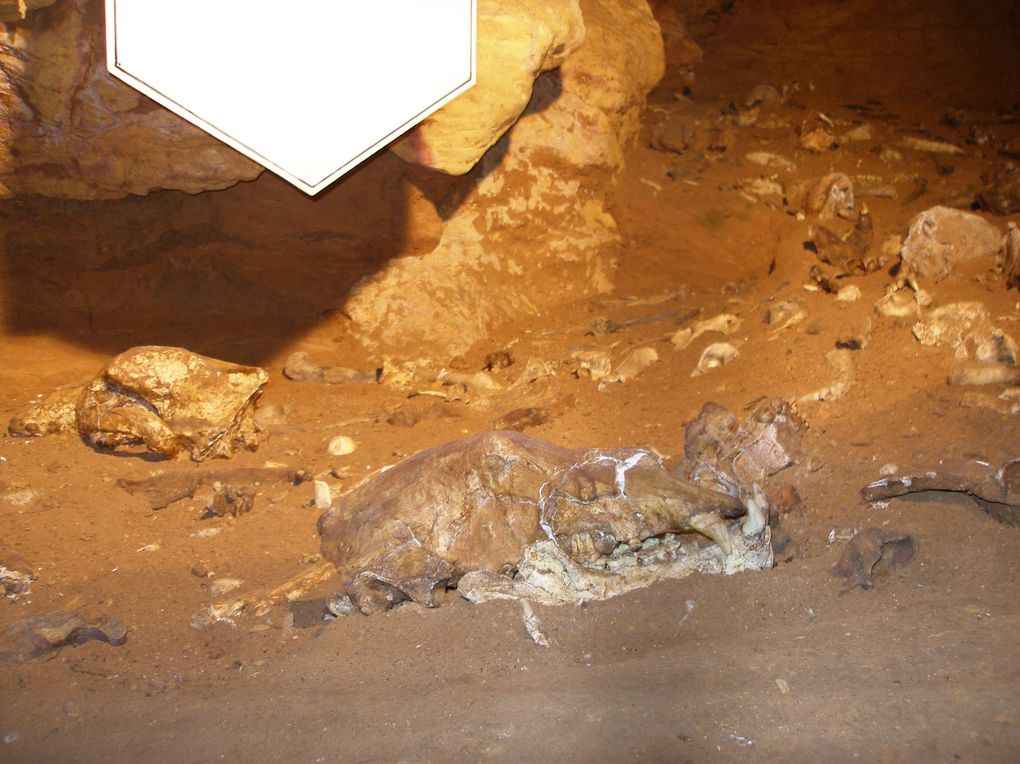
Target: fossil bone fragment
{"points": [[494, 502], [171, 400]]}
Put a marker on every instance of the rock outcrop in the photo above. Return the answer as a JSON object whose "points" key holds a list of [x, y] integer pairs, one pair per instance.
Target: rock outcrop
{"points": [[534, 208], [70, 130], [517, 41]]}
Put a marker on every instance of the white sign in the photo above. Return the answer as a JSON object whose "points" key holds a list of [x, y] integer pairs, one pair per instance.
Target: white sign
{"points": [[307, 88]]}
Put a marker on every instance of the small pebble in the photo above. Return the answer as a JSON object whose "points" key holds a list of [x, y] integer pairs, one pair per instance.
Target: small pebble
{"points": [[888, 469]]}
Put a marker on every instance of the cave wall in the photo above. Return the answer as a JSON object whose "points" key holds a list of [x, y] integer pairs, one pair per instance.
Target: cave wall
{"points": [[511, 180]]}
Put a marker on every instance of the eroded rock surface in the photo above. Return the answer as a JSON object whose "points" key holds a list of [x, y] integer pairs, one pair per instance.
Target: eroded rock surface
{"points": [[481, 503], [539, 193], [517, 41], [70, 130]]}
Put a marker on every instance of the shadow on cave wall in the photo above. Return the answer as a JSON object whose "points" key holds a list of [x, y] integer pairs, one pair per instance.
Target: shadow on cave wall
{"points": [[237, 274]]}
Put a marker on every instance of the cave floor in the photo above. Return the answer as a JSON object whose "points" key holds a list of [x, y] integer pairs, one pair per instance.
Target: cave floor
{"points": [[778, 665]]}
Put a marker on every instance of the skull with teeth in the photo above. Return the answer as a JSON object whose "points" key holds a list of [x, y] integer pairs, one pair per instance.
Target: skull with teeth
{"points": [[480, 503]]}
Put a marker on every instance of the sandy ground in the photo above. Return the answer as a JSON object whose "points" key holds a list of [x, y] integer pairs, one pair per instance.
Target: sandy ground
{"points": [[777, 665]]}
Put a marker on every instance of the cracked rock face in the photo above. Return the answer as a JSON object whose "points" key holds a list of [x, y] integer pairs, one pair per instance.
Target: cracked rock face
{"points": [[170, 400], [491, 503], [69, 130]]}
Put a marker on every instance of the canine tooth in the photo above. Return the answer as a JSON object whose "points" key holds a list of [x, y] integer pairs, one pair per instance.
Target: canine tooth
{"points": [[713, 527]]}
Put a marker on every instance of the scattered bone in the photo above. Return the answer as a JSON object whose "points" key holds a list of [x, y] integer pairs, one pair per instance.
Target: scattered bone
{"points": [[898, 302], [768, 441], [14, 583], [219, 612], [857, 337], [536, 369], [724, 323], [230, 500], [222, 586], [841, 363], [299, 368], [816, 133], [748, 117], [634, 364], [164, 488], [867, 550], [1011, 256], [941, 238], [500, 359], [889, 155], [490, 501], [824, 280], [1001, 194], [760, 187], [404, 375], [966, 328], [522, 419], [872, 186], [323, 495], [849, 293], [857, 134], [892, 245], [55, 413], [293, 588], [828, 197], [951, 324], [533, 416], [763, 95], [652, 299], [996, 490], [21, 497], [548, 576], [765, 159], [480, 382], [339, 604], [272, 415], [848, 254], [170, 400], [932, 147], [533, 626], [341, 445], [998, 404], [715, 355], [602, 326], [977, 373], [34, 637], [594, 364], [785, 314]]}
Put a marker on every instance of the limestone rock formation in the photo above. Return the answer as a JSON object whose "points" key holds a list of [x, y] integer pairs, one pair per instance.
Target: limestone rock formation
{"points": [[70, 130], [535, 204], [517, 41]]}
